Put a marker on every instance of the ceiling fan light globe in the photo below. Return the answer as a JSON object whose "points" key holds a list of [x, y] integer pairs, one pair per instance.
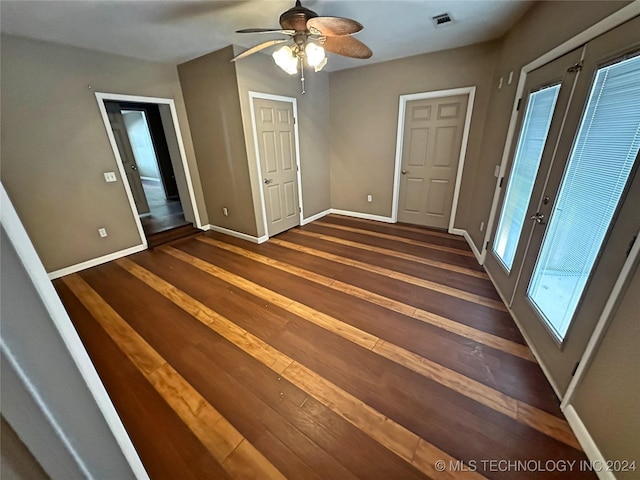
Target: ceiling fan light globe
{"points": [[286, 60], [321, 65], [315, 55]]}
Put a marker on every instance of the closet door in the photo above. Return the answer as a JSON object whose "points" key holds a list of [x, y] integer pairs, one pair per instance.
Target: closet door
{"points": [[542, 109], [587, 215]]}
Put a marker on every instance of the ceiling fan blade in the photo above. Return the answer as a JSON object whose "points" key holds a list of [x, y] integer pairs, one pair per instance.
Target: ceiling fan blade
{"points": [[266, 30], [334, 26], [258, 47], [347, 46]]}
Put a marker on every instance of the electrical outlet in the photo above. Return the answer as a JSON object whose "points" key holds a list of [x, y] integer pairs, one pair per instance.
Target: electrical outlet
{"points": [[510, 77], [369, 198], [482, 226], [225, 212], [496, 171], [500, 82], [110, 177], [102, 232]]}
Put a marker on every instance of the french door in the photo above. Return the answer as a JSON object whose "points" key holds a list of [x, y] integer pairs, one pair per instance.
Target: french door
{"points": [[570, 206], [548, 91]]}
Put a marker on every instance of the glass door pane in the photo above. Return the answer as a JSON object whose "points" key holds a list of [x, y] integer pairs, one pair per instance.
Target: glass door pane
{"points": [[598, 170], [533, 135]]}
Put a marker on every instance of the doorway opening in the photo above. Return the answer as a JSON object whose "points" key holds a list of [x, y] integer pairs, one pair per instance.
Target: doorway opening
{"points": [[145, 136], [143, 147]]}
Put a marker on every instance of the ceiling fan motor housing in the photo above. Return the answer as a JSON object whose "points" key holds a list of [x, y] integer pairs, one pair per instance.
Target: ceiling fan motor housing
{"points": [[296, 18]]}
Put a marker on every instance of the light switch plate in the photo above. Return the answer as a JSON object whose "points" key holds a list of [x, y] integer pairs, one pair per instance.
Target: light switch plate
{"points": [[110, 177]]}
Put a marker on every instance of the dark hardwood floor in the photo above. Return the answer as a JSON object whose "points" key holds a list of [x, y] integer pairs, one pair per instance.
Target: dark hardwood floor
{"points": [[344, 349]]}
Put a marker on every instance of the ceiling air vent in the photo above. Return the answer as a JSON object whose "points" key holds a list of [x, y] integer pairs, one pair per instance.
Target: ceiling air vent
{"points": [[442, 19]]}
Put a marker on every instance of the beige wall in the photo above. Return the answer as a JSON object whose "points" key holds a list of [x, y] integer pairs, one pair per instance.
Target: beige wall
{"points": [[545, 26], [216, 94], [258, 73], [607, 398], [55, 147], [213, 106], [364, 117]]}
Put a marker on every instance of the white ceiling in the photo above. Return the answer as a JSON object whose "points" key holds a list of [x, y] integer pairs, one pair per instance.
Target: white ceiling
{"points": [[175, 31]]}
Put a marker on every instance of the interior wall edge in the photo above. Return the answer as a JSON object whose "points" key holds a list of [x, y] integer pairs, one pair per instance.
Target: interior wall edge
{"points": [[315, 217], [587, 442], [79, 390], [470, 242], [26, 412], [236, 234]]}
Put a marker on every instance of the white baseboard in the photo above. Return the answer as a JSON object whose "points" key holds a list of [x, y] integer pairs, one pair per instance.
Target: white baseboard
{"points": [[589, 446], [96, 261], [467, 237], [233, 233], [366, 216], [315, 217]]}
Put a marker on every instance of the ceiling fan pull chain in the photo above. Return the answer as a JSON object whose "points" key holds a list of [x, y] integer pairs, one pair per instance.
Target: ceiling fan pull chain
{"points": [[302, 74]]}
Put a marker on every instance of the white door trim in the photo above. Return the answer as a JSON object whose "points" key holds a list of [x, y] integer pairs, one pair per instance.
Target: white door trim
{"points": [[609, 23], [471, 92], [294, 104], [101, 97]]}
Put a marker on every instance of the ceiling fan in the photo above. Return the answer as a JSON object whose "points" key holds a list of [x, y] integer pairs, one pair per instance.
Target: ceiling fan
{"points": [[309, 37]]}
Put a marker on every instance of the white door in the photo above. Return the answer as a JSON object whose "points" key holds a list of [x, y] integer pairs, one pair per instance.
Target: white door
{"points": [[586, 216], [275, 125], [119, 129], [431, 142]]}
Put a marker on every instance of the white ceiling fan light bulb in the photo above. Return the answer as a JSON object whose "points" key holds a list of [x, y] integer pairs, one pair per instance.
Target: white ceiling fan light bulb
{"points": [[315, 54], [286, 60]]}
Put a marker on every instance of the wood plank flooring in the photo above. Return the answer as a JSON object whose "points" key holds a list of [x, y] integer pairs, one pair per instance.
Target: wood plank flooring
{"points": [[344, 349]]}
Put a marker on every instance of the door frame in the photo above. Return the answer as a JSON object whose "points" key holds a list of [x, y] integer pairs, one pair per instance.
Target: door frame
{"points": [[294, 104], [101, 97], [471, 92]]}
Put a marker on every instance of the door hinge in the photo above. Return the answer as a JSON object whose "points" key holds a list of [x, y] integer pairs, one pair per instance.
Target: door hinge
{"points": [[575, 68], [501, 180], [294, 120], [518, 106], [486, 245], [299, 209]]}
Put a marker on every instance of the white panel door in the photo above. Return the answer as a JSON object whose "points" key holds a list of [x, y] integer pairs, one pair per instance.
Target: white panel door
{"points": [[275, 127], [432, 138]]}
